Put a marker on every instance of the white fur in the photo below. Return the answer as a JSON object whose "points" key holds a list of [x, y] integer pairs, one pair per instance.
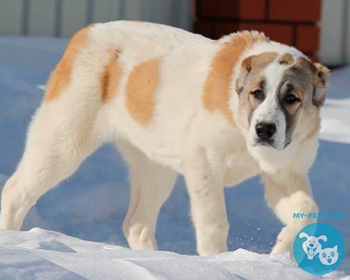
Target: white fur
{"points": [[182, 137]]}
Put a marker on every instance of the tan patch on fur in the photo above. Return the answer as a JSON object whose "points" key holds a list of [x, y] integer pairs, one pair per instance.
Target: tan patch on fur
{"points": [[287, 58], [141, 86], [293, 108], [217, 91], [323, 72], [260, 60], [315, 130], [110, 77], [61, 76], [252, 100]]}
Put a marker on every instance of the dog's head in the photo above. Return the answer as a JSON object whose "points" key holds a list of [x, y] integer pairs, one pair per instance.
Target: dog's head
{"points": [[312, 245], [280, 96]]}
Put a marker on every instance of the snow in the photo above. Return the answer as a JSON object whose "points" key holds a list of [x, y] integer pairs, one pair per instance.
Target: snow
{"points": [[92, 204], [54, 255]]}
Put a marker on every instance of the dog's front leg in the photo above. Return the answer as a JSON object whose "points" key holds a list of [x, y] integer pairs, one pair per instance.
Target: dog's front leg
{"points": [[205, 187], [286, 194]]}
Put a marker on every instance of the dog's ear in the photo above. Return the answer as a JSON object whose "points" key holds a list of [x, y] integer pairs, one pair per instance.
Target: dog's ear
{"points": [[335, 248], [253, 62], [245, 68], [321, 84], [247, 63], [322, 237], [303, 234]]}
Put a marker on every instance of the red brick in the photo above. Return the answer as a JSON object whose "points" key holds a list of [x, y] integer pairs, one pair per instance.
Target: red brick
{"points": [[307, 38], [224, 28], [231, 9], [282, 33], [252, 9], [295, 10], [204, 27], [313, 57]]}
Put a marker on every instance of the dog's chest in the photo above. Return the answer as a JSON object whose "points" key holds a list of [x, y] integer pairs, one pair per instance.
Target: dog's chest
{"points": [[240, 167]]}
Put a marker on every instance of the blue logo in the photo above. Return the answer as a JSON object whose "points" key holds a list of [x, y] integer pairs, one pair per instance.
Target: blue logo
{"points": [[319, 248]]}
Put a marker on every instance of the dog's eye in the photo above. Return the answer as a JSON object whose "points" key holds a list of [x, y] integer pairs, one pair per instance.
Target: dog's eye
{"points": [[290, 99], [324, 255], [332, 254], [258, 94]]}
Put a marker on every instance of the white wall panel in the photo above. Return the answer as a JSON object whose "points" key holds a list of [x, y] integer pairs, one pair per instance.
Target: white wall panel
{"points": [[11, 20], [347, 32], [107, 10], [74, 16], [64, 17], [41, 17], [334, 33]]}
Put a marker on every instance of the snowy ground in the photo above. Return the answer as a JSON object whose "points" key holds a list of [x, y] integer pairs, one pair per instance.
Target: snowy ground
{"points": [[91, 205]]}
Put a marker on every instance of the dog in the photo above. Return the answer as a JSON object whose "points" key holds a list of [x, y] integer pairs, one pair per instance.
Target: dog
{"points": [[311, 245], [172, 102]]}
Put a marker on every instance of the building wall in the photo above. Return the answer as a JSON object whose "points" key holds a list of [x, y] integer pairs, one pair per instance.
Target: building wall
{"points": [[335, 35], [61, 18], [292, 22]]}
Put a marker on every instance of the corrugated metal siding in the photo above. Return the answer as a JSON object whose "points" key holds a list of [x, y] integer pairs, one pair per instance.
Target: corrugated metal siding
{"points": [[347, 32], [61, 18], [11, 19], [41, 17], [335, 32]]}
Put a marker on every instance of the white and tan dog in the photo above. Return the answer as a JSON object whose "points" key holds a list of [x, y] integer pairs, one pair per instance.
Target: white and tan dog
{"points": [[217, 112]]}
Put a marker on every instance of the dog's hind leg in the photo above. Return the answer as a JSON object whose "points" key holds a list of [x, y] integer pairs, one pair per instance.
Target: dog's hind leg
{"points": [[59, 139], [151, 184], [287, 194]]}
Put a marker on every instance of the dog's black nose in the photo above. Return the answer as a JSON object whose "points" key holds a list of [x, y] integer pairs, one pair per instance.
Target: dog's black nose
{"points": [[265, 131], [311, 245]]}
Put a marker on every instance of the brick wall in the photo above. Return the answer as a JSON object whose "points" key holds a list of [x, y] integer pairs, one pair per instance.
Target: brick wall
{"points": [[293, 22]]}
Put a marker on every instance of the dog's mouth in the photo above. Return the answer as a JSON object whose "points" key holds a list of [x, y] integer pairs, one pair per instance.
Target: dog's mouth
{"points": [[270, 144], [311, 251], [266, 143]]}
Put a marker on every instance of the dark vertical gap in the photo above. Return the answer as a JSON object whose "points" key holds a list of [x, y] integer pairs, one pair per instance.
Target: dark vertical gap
{"points": [[175, 14], [144, 9], [187, 22], [294, 35], [345, 43], [90, 11], [197, 9], [213, 33], [267, 7], [154, 12], [25, 17], [122, 9], [58, 17]]}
